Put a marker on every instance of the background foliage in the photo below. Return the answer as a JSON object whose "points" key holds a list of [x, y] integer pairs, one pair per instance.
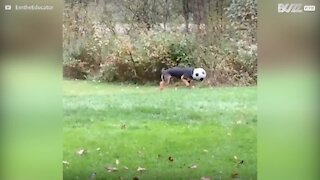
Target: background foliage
{"points": [[131, 41]]}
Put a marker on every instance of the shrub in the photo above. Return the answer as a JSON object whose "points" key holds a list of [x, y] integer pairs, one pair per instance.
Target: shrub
{"points": [[141, 60], [94, 50]]}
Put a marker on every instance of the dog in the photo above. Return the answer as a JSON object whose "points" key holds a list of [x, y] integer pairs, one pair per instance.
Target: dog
{"points": [[186, 74]]}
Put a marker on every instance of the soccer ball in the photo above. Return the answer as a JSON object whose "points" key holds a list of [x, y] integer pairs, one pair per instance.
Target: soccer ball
{"points": [[199, 74]]}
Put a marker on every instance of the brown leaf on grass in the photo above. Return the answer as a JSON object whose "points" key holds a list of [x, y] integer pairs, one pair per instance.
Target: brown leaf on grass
{"points": [[123, 126], [81, 152], [194, 166], [141, 169], [170, 158], [235, 175], [204, 178], [111, 169]]}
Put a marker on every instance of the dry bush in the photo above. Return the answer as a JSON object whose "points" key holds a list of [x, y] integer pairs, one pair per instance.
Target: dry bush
{"points": [[100, 49]]}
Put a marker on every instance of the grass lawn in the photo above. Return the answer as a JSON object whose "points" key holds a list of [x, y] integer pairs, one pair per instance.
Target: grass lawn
{"points": [[173, 134]]}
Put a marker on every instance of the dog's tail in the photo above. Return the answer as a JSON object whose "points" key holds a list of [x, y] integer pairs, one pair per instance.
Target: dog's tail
{"points": [[162, 70]]}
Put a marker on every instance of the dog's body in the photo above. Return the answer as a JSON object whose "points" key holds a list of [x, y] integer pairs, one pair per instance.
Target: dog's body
{"points": [[185, 74]]}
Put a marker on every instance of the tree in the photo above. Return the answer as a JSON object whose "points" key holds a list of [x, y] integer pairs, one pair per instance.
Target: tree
{"points": [[186, 13]]}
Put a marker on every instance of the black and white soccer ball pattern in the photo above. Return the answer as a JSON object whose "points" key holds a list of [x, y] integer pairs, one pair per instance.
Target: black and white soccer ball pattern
{"points": [[199, 74]]}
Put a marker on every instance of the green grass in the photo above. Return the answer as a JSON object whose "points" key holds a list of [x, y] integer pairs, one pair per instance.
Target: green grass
{"points": [[212, 128]]}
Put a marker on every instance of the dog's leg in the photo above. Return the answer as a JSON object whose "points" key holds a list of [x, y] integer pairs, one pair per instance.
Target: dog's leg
{"points": [[186, 82], [165, 79], [161, 85], [162, 82]]}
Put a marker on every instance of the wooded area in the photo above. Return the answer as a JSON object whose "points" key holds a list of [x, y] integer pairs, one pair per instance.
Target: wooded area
{"points": [[122, 40]]}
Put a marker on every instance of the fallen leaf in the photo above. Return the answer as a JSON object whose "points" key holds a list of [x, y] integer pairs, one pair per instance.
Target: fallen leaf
{"points": [[235, 175], [126, 168], [123, 126], [140, 169], [111, 169], [117, 162], [65, 163], [235, 157], [193, 166], [81, 152], [170, 158], [204, 178]]}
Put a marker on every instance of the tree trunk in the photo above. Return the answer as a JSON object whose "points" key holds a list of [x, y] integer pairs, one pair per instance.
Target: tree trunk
{"points": [[221, 14], [186, 11], [166, 15]]}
